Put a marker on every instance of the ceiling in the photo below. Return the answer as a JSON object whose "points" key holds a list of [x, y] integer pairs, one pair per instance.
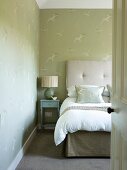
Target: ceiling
{"points": [[74, 4]]}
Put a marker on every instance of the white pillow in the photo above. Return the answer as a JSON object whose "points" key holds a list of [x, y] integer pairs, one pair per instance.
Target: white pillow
{"points": [[71, 91], [106, 92], [106, 95], [89, 94]]}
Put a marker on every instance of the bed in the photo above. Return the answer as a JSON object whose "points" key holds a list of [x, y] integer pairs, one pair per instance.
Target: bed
{"points": [[85, 127]]}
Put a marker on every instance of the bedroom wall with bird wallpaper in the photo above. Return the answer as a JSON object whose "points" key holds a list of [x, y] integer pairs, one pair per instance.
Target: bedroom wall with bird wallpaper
{"points": [[73, 35], [19, 56], [64, 35]]}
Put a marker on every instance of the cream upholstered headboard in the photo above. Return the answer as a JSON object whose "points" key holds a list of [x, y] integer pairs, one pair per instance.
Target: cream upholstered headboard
{"points": [[89, 73]]}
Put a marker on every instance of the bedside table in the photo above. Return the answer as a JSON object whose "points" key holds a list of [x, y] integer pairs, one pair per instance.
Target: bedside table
{"points": [[48, 104]]}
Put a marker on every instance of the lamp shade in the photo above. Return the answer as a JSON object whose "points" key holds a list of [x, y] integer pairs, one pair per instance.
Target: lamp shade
{"points": [[49, 81]]}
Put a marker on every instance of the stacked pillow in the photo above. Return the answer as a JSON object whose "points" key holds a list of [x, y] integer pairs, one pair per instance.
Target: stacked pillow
{"points": [[72, 91], [89, 94]]}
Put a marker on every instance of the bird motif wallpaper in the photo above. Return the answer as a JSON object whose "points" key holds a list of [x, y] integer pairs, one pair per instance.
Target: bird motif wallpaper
{"points": [[19, 56], [70, 34]]}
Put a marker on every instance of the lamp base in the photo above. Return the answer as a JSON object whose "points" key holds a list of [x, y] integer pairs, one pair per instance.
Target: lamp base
{"points": [[49, 93]]}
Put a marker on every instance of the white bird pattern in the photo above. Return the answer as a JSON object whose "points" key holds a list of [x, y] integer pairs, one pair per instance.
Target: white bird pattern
{"points": [[59, 34], [106, 19], [44, 69], [98, 30], [51, 58], [71, 50], [108, 57], [86, 54], [52, 18], [87, 14], [44, 29], [79, 38]]}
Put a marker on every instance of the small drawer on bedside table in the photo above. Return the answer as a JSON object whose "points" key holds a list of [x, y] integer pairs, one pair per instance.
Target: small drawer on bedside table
{"points": [[50, 103]]}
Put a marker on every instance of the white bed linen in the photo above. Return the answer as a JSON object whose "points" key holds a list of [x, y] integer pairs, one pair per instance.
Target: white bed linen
{"points": [[74, 120]]}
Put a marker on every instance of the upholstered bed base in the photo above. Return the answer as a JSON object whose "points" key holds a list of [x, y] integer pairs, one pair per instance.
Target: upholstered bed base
{"points": [[88, 144]]}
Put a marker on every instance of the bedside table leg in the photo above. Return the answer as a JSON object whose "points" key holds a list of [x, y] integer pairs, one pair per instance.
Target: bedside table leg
{"points": [[43, 118], [58, 113]]}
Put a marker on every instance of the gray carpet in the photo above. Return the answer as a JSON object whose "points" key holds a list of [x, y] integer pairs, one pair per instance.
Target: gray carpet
{"points": [[44, 155]]}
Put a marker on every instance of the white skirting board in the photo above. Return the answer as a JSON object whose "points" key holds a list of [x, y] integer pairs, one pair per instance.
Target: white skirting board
{"points": [[22, 150]]}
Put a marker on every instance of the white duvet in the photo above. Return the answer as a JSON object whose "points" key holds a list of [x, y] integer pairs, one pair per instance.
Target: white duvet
{"points": [[74, 120]]}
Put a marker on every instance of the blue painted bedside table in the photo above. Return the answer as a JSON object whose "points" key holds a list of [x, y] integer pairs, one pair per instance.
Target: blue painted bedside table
{"points": [[47, 104]]}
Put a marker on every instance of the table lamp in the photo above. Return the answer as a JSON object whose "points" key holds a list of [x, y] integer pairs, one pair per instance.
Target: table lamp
{"points": [[50, 82]]}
